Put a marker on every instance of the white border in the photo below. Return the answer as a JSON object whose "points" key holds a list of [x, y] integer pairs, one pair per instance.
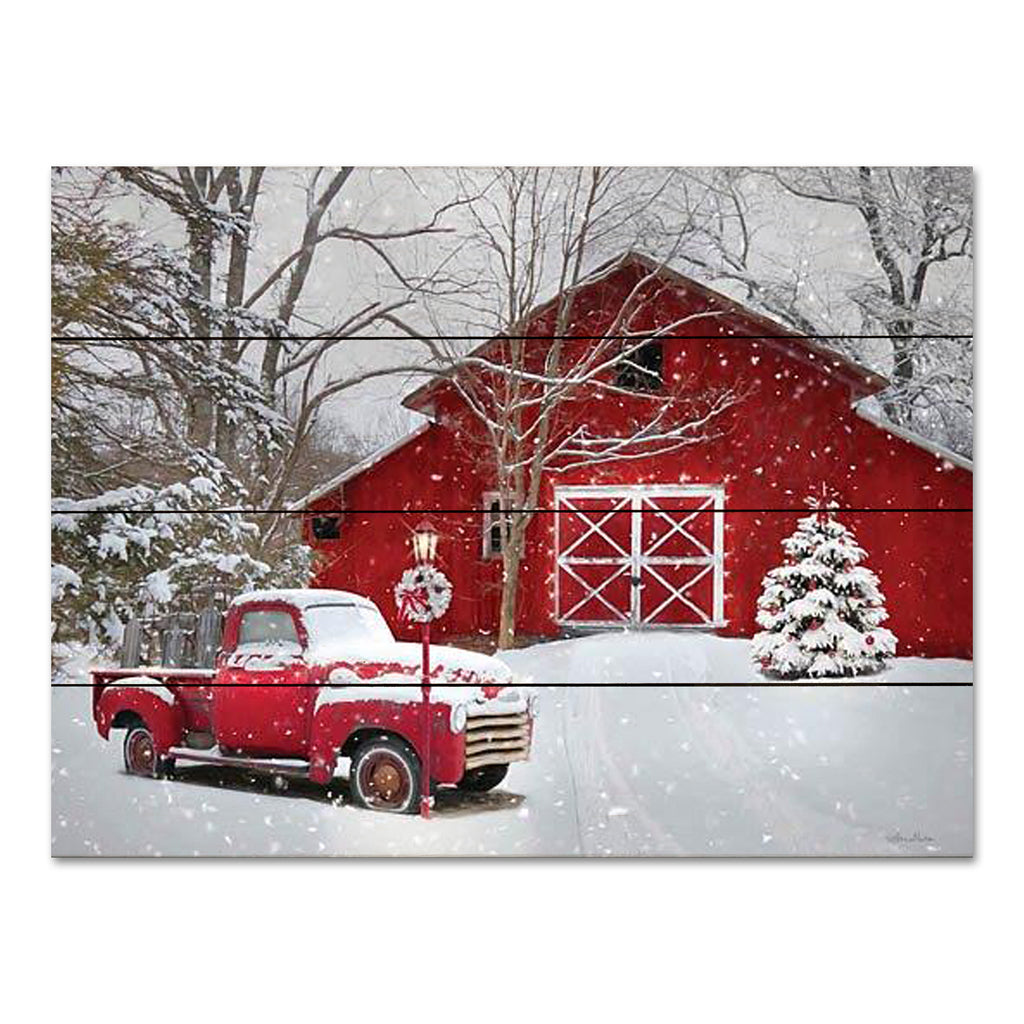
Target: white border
{"points": [[789, 83]]}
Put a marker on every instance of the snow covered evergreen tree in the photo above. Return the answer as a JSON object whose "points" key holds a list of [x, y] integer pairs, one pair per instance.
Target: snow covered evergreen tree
{"points": [[133, 459], [189, 374], [143, 550], [821, 611]]}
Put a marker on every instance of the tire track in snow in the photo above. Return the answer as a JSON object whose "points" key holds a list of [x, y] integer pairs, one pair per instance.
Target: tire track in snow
{"points": [[574, 789], [727, 753], [612, 817], [591, 814]]}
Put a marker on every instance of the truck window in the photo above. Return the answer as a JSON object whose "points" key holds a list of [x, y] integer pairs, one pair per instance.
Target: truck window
{"points": [[267, 627], [345, 622]]}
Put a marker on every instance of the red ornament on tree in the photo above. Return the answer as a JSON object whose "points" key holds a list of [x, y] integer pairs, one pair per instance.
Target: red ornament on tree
{"points": [[869, 640], [813, 585]]}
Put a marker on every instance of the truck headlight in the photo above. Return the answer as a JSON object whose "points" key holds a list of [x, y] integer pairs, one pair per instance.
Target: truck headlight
{"points": [[457, 719], [533, 705]]}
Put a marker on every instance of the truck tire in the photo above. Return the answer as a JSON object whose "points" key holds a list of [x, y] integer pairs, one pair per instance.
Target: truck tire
{"points": [[385, 776], [480, 780], [140, 753]]}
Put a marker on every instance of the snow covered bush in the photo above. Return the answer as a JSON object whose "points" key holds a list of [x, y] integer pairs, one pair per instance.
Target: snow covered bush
{"points": [[822, 611], [143, 550]]}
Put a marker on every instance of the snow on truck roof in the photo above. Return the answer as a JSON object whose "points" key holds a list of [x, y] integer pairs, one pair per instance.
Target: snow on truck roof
{"points": [[304, 598]]}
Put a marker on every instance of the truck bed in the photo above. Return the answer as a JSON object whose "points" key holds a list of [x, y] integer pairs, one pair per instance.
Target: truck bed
{"points": [[162, 673]]}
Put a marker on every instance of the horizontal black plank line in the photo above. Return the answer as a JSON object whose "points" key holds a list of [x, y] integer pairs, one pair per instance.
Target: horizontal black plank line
{"points": [[468, 511], [526, 337], [470, 686]]}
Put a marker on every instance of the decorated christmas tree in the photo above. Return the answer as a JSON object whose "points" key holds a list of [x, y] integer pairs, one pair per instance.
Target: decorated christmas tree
{"points": [[821, 611]]}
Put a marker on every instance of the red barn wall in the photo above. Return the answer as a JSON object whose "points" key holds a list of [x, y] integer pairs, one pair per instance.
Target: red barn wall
{"points": [[792, 431]]}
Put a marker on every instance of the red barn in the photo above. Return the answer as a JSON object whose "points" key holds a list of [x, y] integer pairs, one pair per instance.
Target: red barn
{"points": [[671, 540]]}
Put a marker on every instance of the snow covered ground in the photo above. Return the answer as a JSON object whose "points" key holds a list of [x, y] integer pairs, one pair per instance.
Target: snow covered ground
{"points": [[690, 659], [661, 768]]}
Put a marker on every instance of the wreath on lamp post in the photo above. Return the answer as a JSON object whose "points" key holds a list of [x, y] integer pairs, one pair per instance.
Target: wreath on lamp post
{"points": [[423, 594]]}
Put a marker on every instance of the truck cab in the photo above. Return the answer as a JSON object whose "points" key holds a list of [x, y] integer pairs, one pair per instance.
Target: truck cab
{"points": [[306, 678]]}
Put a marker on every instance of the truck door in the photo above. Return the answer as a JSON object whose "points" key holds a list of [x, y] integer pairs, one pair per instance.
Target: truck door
{"points": [[261, 703]]}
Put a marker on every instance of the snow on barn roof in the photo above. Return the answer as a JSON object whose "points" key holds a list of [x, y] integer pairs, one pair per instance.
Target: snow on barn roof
{"points": [[876, 419], [776, 335], [759, 327], [371, 460]]}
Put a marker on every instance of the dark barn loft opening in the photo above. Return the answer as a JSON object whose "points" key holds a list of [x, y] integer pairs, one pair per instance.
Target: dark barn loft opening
{"points": [[641, 370], [326, 527]]}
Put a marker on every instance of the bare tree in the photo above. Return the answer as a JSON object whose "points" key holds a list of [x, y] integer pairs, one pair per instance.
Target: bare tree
{"points": [[915, 230], [125, 399], [540, 229], [249, 312]]}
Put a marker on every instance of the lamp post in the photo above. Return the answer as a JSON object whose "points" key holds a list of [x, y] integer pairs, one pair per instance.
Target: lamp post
{"points": [[424, 549]]}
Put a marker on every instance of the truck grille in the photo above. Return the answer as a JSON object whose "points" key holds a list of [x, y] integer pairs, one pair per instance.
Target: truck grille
{"points": [[497, 739]]}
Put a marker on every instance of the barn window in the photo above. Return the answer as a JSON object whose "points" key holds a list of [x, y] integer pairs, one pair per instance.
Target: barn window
{"points": [[641, 370], [326, 526], [493, 525]]}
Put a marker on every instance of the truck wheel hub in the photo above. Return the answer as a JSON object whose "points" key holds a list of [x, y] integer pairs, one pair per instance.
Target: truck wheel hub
{"points": [[384, 780], [141, 753]]}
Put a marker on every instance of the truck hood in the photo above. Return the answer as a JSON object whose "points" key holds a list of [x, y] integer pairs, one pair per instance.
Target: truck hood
{"points": [[390, 663]]}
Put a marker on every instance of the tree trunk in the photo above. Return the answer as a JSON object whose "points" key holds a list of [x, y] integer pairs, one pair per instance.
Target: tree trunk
{"points": [[898, 407], [511, 559], [242, 205], [200, 261]]}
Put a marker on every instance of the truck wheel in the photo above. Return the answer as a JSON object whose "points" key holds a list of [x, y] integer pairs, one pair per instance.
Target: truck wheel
{"points": [[385, 776], [480, 780], [140, 753]]}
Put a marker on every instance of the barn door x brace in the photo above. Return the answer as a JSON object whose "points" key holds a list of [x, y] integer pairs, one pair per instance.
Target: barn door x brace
{"points": [[640, 556]]}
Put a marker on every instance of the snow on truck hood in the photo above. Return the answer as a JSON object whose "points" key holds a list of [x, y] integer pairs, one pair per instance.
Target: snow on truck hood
{"points": [[370, 661], [509, 701], [391, 672]]}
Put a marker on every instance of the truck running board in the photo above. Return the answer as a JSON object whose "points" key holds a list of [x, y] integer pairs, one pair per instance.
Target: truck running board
{"points": [[291, 769]]}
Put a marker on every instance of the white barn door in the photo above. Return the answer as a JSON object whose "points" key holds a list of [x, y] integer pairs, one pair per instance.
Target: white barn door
{"points": [[645, 556]]}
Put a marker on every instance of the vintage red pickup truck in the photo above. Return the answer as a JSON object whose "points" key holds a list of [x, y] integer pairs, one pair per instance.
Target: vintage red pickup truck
{"points": [[307, 677]]}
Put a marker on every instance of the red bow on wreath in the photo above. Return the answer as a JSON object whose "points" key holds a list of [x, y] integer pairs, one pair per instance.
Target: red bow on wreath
{"points": [[412, 603]]}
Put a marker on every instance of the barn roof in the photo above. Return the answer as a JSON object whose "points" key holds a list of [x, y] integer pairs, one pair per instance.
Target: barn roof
{"points": [[347, 474], [938, 450], [861, 381]]}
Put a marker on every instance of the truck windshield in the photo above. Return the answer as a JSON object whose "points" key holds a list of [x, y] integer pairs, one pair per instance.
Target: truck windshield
{"points": [[327, 622]]}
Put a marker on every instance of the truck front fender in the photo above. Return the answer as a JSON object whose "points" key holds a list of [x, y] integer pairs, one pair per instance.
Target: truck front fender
{"points": [[336, 724], [337, 729]]}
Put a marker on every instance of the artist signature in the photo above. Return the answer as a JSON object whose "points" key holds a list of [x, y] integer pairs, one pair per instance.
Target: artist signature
{"points": [[899, 839]]}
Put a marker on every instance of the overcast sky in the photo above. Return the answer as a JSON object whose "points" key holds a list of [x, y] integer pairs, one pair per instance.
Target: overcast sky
{"points": [[826, 244]]}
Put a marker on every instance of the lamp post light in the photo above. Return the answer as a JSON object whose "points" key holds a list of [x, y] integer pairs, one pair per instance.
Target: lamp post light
{"points": [[424, 543], [424, 549], [423, 594]]}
